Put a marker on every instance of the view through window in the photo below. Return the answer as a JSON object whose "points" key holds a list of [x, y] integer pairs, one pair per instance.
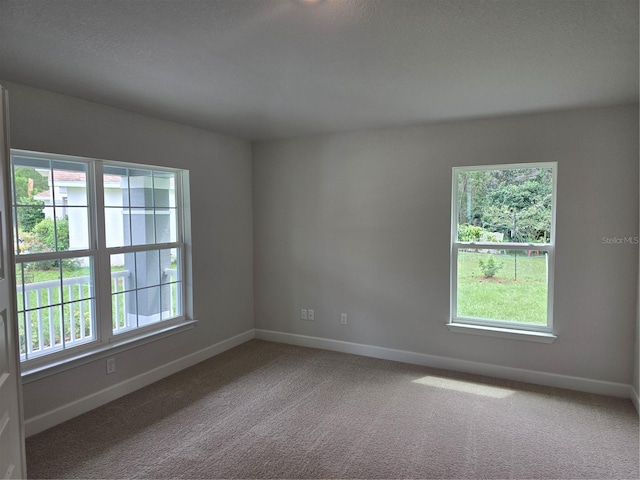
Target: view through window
{"points": [[503, 245]]}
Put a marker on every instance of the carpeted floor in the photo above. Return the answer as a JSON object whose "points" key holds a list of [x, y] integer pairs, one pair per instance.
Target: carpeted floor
{"points": [[267, 410]]}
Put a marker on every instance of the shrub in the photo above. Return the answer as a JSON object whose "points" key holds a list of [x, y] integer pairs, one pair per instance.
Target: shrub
{"points": [[29, 217], [469, 233], [43, 239], [46, 232], [490, 267]]}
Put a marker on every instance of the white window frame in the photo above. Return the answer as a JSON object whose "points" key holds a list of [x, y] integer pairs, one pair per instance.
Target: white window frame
{"points": [[107, 342], [493, 327]]}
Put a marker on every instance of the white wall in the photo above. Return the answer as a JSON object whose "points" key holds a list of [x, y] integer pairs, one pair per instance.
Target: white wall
{"points": [[220, 174], [359, 223]]}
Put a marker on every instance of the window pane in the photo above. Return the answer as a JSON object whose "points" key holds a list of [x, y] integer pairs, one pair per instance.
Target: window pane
{"points": [[502, 285], [127, 227], [510, 205], [77, 279], [70, 183], [44, 329], [149, 306], [26, 220], [51, 235], [150, 302], [117, 228], [152, 217], [30, 179], [165, 225], [123, 311], [116, 186], [172, 285], [142, 306], [58, 229], [42, 284], [57, 297], [77, 224], [164, 189], [171, 300], [51, 205], [123, 272], [140, 188], [148, 268], [79, 322], [71, 231], [142, 226], [170, 265]]}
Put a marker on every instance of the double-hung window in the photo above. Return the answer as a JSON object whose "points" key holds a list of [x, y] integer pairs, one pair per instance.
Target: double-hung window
{"points": [[100, 253], [502, 249]]}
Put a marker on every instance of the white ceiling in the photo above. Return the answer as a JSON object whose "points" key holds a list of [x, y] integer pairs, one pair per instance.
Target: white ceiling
{"points": [[262, 69]]}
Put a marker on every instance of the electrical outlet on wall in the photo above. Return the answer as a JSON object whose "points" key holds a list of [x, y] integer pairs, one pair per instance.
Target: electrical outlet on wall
{"points": [[111, 366]]}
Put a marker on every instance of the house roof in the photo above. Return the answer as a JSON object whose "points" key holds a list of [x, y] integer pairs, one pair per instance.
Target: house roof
{"points": [[46, 195], [66, 177], [71, 176], [282, 68]]}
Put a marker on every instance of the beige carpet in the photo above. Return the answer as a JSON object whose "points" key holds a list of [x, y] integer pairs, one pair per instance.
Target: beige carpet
{"points": [[266, 410]]}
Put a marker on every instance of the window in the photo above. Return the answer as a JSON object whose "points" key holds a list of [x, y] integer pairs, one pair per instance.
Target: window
{"points": [[502, 248], [99, 253]]}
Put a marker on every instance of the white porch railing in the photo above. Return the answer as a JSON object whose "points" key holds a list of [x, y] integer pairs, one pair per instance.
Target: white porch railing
{"points": [[58, 316]]}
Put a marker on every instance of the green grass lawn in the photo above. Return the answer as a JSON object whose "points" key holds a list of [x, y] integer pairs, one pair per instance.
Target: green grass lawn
{"points": [[517, 292]]}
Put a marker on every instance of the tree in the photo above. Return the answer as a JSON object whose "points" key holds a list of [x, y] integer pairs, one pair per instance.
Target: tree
{"points": [[27, 182], [515, 202]]}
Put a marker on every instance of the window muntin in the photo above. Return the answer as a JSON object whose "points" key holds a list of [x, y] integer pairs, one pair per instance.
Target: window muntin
{"points": [[502, 255], [56, 303], [49, 195], [146, 199], [146, 288], [61, 233]]}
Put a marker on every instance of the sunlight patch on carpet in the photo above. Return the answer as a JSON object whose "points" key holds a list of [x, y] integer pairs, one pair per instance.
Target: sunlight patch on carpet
{"points": [[464, 387]]}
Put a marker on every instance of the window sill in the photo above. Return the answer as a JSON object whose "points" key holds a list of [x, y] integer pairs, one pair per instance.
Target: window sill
{"points": [[525, 335], [102, 351]]}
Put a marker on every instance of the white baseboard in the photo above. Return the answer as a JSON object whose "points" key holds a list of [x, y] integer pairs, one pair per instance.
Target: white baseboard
{"points": [[635, 398], [66, 412], [447, 363]]}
